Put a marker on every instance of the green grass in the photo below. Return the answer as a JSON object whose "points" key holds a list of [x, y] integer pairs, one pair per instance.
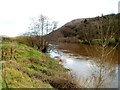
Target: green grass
{"points": [[112, 40], [99, 41], [0, 85], [32, 53], [0, 75], [18, 79], [28, 68], [81, 41], [96, 40]]}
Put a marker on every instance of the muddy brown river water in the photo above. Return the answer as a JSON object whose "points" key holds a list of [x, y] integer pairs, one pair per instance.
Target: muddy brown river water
{"points": [[91, 66]]}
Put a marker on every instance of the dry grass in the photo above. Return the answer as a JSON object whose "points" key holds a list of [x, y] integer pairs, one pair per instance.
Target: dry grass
{"points": [[28, 68]]}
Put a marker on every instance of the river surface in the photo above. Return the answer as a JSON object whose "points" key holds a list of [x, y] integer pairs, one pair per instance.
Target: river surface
{"points": [[90, 66]]}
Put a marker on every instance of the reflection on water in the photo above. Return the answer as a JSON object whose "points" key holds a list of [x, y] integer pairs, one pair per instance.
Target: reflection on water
{"points": [[91, 66], [92, 51]]}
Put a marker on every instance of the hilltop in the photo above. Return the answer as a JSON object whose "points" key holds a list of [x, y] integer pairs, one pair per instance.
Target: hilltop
{"points": [[88, 30]]}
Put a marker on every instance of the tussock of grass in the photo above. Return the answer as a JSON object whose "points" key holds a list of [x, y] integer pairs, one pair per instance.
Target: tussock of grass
{"points": [[18, 79], [29, 68]]}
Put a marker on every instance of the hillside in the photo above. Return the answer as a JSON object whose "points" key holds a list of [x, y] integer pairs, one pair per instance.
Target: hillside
{"points": [[88, 30], [25, 67]]}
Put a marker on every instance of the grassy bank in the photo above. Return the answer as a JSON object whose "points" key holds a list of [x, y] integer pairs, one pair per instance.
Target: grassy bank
{"points": [[108, 42], [25, 67]]}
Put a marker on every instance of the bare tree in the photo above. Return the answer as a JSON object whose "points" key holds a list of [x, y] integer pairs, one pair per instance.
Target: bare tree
{"points": [[38, 29], [103, 52]]}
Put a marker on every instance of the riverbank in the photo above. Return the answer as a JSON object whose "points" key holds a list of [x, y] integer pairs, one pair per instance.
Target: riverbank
{"points": [[25, 67]]}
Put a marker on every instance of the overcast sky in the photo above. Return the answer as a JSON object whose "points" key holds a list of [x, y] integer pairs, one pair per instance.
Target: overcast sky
{"points": [[15, 15]]}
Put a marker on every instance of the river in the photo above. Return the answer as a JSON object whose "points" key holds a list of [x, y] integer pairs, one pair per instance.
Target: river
{"points": [[91, 66]]}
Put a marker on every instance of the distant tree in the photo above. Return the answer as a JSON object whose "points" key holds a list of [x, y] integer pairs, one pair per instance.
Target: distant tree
{"points": [[38, 28]]}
